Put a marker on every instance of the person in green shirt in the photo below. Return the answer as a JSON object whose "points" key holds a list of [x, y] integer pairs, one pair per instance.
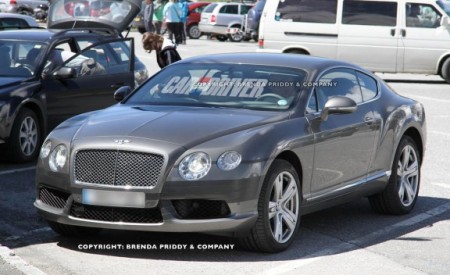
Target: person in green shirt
{"points": [[158, 15]]}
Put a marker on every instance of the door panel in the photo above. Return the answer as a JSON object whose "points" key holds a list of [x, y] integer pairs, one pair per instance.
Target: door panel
{"points": [[424, 39], [343, 143], [368, 27], [100, 70]]}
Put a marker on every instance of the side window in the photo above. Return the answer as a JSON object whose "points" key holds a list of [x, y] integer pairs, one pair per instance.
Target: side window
{"points": [[422, 16], [368, 86], [312, 105], [229, 9], [57, 56], [338, 82], [245, 9], [370, 13], [311, 11]]}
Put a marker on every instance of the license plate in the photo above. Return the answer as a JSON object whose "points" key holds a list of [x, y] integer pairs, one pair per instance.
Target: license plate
{"points": [[113, 198]]}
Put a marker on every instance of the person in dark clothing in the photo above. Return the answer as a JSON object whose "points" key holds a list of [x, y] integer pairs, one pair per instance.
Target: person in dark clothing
{"points": [[148, 16], [166, 50]]}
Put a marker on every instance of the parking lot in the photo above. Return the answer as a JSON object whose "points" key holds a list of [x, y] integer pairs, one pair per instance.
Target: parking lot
{"points": [[348, 239]]}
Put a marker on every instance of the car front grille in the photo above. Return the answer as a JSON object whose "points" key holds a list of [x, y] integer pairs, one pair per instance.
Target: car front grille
{"points": [[201, 209], [116, 214], [53, 197], [119, 168]]}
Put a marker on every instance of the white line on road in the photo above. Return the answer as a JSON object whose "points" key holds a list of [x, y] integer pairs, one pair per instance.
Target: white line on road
{"points": [[11, 258], [440, 184], [17, 170], [439, 133], [356, 243], [431, 98]]}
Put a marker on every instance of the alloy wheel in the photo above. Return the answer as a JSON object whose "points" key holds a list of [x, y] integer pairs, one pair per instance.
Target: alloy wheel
{"points": [[407, 175], [283, 207], [28, 136]]}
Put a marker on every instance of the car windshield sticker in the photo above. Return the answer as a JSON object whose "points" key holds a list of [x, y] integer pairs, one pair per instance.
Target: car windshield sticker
{"points": [[231, 87]]}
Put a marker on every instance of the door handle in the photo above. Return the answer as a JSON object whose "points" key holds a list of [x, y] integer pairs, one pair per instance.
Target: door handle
{"points": [[392, 32], [117, 85], [403, 32], [369, 120]]}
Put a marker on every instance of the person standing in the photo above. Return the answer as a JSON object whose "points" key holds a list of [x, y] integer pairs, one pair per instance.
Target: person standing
{"points": [[172, 14], [183, 4], [148, 16], [158, 16]]}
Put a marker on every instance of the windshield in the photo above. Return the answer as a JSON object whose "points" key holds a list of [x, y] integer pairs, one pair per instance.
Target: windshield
{"points": [[222, 85], [445, 5], [20, 58]]}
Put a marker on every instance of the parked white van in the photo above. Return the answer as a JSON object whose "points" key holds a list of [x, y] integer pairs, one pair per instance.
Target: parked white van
{"points": [[397, 36]]}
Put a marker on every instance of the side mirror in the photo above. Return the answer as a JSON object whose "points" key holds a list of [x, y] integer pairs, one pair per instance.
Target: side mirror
{"points": [[121, 93], [65, 73], [338, 105], [445, 21]]}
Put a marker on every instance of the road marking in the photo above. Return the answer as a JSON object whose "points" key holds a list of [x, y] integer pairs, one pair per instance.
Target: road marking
{"points": [[17, 170], [431, 98], [439, 133], [356, 243], [440, 184], [15, 261]]}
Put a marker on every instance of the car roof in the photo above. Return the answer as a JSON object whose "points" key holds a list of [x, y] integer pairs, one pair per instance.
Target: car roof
{"points": [[305, 62], [30, 20]]}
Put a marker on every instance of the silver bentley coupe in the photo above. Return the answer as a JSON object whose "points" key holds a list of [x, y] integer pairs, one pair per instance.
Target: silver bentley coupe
{"points": [[234, 144]]}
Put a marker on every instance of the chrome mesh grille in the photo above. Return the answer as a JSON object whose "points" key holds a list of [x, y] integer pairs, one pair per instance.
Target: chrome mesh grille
{"points": [[119, 168]]}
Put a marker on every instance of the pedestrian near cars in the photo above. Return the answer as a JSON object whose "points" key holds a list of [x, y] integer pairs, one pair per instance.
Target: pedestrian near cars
{"points": [[148, 16], [166, 50], [158, 15], [172, 14], [183, 4]]}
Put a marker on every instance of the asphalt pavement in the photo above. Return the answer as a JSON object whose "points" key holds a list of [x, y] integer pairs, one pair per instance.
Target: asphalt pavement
{"points": [[347, 239]]}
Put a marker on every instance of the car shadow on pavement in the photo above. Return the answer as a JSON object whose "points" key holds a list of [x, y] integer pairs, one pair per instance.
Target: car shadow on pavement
{"points": [[415, 81], [341, 229]]}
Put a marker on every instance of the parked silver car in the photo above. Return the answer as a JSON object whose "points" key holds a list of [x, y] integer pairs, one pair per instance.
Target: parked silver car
{"points": [[16, 21], [221, 18]]}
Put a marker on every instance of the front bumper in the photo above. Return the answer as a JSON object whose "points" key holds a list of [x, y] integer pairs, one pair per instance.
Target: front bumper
{"points": [[225, 207]]}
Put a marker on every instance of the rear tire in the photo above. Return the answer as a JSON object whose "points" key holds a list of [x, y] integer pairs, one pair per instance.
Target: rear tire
{"points": [[278, 210], [401, 192], [194, 32], [25, 138], [73, 231], [445, 71], [141, 30]]}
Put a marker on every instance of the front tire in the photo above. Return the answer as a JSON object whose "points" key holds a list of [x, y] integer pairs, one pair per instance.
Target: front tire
{"points": [[25, 137], [278, 210], [402, 190], [222, 38], [73, 231]]}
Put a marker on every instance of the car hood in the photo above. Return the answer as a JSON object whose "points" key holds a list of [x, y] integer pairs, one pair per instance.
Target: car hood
{"points": [[111, 14], [184, 126]]}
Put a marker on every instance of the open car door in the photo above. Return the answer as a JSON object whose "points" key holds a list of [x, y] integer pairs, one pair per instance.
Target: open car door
{"points": [[87, 81]]}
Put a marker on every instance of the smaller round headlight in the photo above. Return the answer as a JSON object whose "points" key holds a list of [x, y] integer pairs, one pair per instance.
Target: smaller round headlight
{"points": [[194, 166], [45, 149], [58, 158], [229, 160]]}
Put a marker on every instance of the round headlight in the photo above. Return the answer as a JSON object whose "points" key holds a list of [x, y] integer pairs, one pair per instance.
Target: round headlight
{"points": [[45, 149], [229, 160], [58, 158], [195, 166]]}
